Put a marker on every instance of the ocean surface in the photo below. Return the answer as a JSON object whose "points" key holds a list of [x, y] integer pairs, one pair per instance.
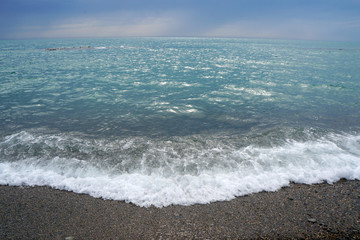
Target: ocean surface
{"points": [[163, 121]]}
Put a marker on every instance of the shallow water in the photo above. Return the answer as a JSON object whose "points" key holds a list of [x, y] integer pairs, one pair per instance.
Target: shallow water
{"points": [[161, 121]]}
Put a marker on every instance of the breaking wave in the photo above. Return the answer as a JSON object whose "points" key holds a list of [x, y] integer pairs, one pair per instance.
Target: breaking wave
{"points": [[178, 170]]}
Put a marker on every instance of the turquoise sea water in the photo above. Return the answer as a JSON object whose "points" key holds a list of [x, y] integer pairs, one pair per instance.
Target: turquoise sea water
{"points": [[160, 121]]}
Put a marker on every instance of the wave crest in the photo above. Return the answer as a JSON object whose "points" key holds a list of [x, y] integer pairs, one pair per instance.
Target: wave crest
{"points": [[179, 170]]}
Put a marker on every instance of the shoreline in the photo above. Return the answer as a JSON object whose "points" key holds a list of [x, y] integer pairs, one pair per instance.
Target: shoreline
{"points": [[322, 211]]}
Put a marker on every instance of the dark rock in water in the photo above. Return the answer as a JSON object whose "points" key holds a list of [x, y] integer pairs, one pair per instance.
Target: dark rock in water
{"points": [[68, 48]]}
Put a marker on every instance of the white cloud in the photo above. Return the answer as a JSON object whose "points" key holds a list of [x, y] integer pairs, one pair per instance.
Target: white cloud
{"points": [[117, 25], [176, 23], [289, 29]]}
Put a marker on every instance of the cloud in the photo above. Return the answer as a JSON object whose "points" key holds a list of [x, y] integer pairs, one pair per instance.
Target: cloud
{"points": [[286, 29], [121, 24], [265, 29], [145, 20]]}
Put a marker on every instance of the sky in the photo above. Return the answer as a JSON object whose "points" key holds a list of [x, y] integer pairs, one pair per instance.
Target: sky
{"points": [[334, 20]]}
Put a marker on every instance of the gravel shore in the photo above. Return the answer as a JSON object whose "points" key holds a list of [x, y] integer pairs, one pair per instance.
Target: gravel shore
{"points": [[320, 211]]}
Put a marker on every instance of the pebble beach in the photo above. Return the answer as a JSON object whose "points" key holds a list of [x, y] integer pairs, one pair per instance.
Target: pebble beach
{"points": [[319, 211]]}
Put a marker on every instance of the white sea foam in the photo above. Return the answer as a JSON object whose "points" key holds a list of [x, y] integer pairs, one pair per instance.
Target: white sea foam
{"points": [[179, 171]]}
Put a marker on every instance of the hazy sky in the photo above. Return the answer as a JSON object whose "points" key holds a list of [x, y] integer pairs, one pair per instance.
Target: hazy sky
{"points": [[289, 19]]}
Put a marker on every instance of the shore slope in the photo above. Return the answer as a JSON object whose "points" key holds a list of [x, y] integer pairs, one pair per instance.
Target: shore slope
{"points": [[325, 211]]}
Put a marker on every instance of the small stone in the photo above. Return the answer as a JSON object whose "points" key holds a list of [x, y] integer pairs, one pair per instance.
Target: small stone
{"points": [[312, 220], [69, 238]]}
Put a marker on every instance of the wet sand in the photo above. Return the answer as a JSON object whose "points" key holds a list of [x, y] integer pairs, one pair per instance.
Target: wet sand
{"points": [[321, 211]]}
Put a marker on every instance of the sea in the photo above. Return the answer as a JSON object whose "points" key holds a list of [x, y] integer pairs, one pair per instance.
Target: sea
{"points": [[178, 121]]}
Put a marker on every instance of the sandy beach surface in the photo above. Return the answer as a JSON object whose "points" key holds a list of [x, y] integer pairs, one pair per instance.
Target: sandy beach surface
{"points": [[321, 211]]}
